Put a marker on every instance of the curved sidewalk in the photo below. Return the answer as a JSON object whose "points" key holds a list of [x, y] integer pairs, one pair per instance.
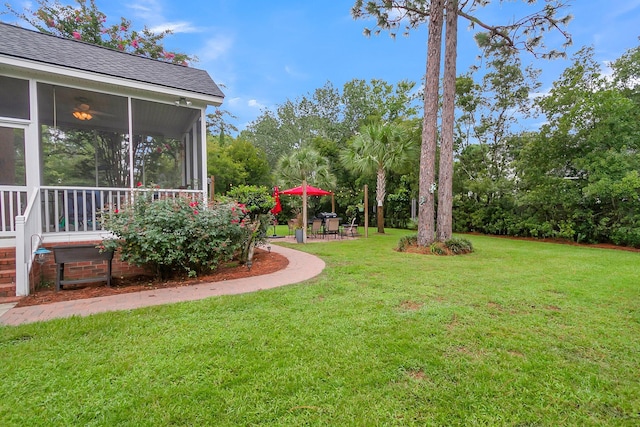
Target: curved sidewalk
{"points": [[302, 266]]}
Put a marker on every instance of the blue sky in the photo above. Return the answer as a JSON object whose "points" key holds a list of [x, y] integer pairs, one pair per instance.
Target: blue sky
{"points": [[265, 52]]}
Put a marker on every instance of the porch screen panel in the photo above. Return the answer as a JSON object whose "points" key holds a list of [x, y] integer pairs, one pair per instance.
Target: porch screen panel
{"points": [[83, 137], [12, 161], [159, 148], [12, 176], [14, 98]]}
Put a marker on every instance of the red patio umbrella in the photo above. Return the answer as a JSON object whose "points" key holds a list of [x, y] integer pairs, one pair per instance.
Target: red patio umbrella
{"points": [[311, 191], [278, 207]]}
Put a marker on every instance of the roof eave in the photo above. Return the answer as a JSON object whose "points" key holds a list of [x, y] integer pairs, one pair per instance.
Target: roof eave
{"points": [[58, 70]]}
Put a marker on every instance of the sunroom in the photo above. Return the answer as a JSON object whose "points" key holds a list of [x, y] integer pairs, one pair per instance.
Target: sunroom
{"points": [[83, 129]]}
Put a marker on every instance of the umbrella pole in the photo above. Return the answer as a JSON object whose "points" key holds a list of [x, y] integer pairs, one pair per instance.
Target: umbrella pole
{"points": [[304, 211]]}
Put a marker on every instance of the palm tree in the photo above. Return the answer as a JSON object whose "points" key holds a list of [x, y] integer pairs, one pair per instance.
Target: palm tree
{"points": [[376, 149], [305, 163]]}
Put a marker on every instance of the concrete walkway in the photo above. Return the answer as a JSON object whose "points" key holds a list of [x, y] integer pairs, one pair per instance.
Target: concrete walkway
{"points": [[302, 266]]}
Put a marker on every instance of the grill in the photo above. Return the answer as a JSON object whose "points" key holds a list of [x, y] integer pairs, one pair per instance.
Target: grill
{"points": [[325, 215]]}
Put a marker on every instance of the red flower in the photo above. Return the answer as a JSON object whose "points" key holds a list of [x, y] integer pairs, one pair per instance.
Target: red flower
{"points": [[195, 212], [134, 43], [139, 184], [76, 35], [116, 211]]}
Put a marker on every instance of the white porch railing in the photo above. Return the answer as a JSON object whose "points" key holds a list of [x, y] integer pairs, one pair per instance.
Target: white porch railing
{"points": [[13, 203], [73, 209], [27, 226]]}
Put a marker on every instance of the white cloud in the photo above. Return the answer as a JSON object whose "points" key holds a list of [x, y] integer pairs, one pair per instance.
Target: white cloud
{"points": [[255, 104], [542, 94], [147, 10], [294, 73], [215, 48], [176, 27], [623, 8], [151, 13], [233, 102]]}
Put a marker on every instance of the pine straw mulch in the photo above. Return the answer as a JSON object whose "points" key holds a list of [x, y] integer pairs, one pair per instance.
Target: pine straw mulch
{"points": [[264, 262]]}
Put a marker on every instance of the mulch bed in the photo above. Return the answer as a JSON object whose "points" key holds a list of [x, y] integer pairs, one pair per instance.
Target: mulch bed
{"points": [[264, 262]]}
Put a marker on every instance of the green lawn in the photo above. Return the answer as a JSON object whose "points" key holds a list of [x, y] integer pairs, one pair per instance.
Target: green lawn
{"points": [[517, 333]]}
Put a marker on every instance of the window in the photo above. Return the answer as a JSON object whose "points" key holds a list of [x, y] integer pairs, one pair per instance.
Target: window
{"points": [[14, 98]]}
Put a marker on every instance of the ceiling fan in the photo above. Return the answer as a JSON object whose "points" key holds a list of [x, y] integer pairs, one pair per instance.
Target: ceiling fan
{"points": [[83, 111]]}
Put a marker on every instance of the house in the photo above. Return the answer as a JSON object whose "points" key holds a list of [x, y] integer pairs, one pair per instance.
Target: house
{"points": [[81, 128]]}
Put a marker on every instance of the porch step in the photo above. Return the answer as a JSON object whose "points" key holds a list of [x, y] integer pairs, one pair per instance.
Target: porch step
{"points": [[7, 270], [7, 261], [7, 276], [7, 290]]}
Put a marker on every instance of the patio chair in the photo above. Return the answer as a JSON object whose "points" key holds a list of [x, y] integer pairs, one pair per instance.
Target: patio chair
{"points": [[316, 227], [292, 226], [332, 227], [350, 229]]}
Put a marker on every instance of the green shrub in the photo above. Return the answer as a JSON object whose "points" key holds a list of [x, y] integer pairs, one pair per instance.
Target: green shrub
{"points": [[176, 235], [438, 248], [458, 245], [455, 245], [412, 224], [406, 242]]}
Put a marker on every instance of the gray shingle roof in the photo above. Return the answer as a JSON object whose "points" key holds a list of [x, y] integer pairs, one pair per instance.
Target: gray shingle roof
{"points": [[27, 44]]}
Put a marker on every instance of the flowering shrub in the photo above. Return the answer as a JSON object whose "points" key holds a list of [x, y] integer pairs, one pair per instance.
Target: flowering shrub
{"points": [[176, 235], [256, 204], [86, 23]]}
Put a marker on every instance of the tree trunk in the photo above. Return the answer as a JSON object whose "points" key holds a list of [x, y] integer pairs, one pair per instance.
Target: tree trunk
{"points": [[426, 211], [381, 191], [445, 180]]}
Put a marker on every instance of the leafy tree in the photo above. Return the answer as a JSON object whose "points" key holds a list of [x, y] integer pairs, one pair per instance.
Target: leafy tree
{"points": [[238, 162], [525, 34], [295, 124], [589, 149], [329, 114], [226, 171], [377, 149], [378, 100]]}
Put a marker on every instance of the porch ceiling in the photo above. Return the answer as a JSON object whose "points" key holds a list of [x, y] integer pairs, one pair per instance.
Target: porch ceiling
{"points": [[109, 112]]}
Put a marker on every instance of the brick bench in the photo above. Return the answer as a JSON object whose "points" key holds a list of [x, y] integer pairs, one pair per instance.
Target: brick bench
{"points": [[80, 253]]}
